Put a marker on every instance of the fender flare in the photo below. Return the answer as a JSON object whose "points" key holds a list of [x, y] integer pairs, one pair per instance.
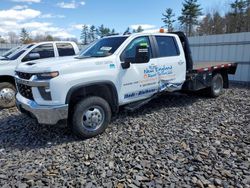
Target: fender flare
{"points": [[97, 83]]}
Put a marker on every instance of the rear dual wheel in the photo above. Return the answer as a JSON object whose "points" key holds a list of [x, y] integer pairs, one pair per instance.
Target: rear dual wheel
{"points": [[216, 88]]}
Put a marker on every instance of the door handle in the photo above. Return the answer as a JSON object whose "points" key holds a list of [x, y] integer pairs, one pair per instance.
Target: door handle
{"points": [[153, 65], [181, 62]]}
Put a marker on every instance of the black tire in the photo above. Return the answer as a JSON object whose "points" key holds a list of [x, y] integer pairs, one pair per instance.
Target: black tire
{"points": [[216, 88], [88, 108], [7, 95]]}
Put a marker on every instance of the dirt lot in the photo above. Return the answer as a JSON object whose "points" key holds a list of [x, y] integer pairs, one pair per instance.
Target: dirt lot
{"points": [[174, 141]]}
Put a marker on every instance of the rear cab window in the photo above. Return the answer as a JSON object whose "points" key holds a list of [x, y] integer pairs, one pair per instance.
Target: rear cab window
{"points": [[167, 46], [65, 49]]}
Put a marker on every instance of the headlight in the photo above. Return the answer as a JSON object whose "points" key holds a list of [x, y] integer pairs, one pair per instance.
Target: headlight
{"points": [[47, 75]]}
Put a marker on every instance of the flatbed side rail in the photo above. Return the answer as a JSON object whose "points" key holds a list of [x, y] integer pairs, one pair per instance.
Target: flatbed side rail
{"points": [[213, 66], [201, 77]]}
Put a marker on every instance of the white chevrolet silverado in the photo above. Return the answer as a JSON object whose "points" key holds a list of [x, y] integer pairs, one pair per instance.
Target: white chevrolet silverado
{"points": [[23, 54], [114, 71]]}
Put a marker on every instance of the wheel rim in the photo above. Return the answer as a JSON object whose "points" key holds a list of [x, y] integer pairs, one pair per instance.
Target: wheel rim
{"points": [[93, 118], [7, 95], [217, 85]]}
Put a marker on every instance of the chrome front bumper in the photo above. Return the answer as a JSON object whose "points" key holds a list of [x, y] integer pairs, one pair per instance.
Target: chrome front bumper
{"points": [[49, 115]]}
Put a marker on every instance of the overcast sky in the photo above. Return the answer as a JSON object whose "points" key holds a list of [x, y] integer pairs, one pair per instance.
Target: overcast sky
{"points": [[64, 18]]}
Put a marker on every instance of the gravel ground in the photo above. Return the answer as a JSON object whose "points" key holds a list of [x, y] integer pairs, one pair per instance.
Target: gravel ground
{"points": [[176, 140]]}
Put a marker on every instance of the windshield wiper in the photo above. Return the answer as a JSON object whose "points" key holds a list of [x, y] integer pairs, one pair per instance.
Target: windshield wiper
{"points": [[106, 55], [5, 58], [82, 57]]}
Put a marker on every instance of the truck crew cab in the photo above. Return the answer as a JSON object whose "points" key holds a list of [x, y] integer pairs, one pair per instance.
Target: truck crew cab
{"points": [[115, 71], [23, 54]]}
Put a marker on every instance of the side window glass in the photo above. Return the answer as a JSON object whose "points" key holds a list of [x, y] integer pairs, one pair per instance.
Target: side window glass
{"points": [[65, 49], [130, 51], [167, 46], [44, 51]]}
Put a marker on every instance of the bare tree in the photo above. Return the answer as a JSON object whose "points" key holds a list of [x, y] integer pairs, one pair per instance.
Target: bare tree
{"points": [[2, 40], [237, 19], [13, 37], [212, 24]]}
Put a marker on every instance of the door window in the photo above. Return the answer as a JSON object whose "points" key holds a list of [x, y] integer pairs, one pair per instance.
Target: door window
{"points": [[44, 50], [130, 51], [65, 49], [167, 46]]}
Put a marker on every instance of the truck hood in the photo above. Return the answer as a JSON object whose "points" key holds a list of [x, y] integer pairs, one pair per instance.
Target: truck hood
{"points": [[56, 64], [4, 61]]}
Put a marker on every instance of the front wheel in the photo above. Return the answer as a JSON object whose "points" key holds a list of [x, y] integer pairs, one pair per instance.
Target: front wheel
{"points": [[91, 117], [216, 88], [7, 95]]}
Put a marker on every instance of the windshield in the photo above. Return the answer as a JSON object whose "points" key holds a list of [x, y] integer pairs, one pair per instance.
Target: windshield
{"points": [[12, 50], [103, 47], [19, 52]]}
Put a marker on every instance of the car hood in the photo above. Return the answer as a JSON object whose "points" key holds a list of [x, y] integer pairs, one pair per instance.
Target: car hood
{"points": [[3, 61], [57, 64]]}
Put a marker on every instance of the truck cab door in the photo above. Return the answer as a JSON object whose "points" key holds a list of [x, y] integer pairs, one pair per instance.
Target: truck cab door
{"points": [[137, 80], [42, 51], [171, 63]]}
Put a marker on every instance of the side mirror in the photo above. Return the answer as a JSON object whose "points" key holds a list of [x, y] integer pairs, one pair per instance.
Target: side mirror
{"points": [[126, 64], [33, 56]]}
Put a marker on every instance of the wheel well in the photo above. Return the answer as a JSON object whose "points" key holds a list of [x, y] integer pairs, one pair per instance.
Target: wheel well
{"points": [[105, 91], [9, 79]]}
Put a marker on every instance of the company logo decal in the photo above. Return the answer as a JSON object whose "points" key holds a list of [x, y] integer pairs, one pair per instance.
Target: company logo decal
{"points": [[140, 93]]}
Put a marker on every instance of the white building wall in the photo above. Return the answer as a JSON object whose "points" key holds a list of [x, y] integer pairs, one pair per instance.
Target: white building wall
{"points": [[227, 47]]}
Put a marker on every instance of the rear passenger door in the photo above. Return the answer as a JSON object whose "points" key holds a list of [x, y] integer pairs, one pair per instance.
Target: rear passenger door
{"points": [[171, 67], [65, 49]]}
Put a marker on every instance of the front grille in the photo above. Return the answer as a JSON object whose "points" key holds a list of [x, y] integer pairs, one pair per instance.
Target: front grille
{"points": [[25, 91], [24, 75]]}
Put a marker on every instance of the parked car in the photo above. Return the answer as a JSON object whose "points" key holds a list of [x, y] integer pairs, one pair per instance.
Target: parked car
{"points": [[115, 71], [23, 54]]}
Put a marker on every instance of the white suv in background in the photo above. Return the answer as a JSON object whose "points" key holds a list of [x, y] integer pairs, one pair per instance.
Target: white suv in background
{"points": [[24, 54]]}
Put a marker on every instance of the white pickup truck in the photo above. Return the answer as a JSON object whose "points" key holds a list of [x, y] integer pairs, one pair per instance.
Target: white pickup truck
{"points": [[115, 71], [25, 53]]}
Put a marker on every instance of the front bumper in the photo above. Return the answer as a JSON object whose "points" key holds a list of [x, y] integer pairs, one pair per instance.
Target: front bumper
{"points": [[49, 115]]}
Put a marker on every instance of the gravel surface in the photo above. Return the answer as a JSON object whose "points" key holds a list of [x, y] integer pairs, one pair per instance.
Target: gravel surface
{"points": [[176, 140]]}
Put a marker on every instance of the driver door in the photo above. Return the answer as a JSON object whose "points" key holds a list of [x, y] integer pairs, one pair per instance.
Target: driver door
{"points": [[140, 80]]}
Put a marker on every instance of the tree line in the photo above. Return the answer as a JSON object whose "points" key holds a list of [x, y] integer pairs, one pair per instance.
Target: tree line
{"points": [[236, 20], [192, 21], [88, 35], [91, 33], [24, 37]]}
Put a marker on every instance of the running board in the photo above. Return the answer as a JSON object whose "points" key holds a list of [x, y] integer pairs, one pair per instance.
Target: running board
{"points": [[136, 105]]}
